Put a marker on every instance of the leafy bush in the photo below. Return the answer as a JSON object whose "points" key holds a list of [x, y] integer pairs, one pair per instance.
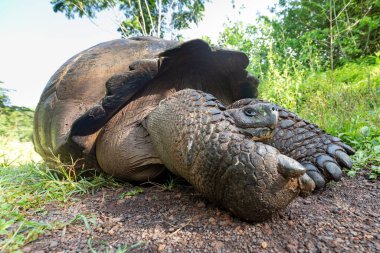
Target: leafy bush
{"points": [[15, 121]]}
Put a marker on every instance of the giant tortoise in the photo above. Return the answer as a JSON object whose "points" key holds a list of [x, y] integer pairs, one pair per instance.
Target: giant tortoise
{"points": [[136, 107]]}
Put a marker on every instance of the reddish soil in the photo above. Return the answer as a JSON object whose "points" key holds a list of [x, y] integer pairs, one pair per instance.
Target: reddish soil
{"points": [[345, 217]]}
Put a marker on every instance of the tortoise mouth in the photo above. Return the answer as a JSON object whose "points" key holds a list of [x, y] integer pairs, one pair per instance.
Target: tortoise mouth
{"points": [[259, 134]]}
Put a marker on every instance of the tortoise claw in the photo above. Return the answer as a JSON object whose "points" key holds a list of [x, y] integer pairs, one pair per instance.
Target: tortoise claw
{"points": [[306, 183], [332, 148], [329, 165], [315, 175], [343, 159], [348, 149], [289, 168], [340, 155], [323, 159], [334, 170]]}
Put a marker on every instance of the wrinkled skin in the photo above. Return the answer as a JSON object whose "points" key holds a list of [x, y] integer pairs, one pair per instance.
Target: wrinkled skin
{"points": [[197, 139], [321, 154]]}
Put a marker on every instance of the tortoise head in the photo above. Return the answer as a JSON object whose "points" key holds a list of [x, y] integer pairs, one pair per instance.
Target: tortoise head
{"points": [[256, 120]]}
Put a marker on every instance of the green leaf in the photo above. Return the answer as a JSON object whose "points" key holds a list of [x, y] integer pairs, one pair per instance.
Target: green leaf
{"points": [[365, 131]]}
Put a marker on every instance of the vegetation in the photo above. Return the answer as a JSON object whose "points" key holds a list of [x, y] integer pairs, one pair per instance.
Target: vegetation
{"points": [[142, 17], [315, 35], [15, 121], [133, 192], [338, 31], [27, 189]]}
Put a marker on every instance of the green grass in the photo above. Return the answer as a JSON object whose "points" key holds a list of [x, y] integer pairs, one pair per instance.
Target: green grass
{"points": [[169, 184], [135, 191], [16, 122], [26, 188], [14, 152]]}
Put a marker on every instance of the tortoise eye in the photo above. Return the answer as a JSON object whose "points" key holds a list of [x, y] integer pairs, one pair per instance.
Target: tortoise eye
{"points": [[249, 112]]}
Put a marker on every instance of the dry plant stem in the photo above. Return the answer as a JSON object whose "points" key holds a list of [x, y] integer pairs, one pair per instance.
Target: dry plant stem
{"points": [[331, 45]]}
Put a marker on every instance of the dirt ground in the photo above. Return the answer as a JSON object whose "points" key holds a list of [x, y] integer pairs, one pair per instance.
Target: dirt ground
{"points": [[345, 217]]}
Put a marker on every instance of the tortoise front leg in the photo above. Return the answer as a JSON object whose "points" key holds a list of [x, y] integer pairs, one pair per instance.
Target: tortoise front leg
{"points": [[322, 154], [197, 139]]}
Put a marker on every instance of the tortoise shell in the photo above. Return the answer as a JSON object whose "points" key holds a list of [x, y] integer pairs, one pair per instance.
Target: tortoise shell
{"points": [[77, 100]]}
